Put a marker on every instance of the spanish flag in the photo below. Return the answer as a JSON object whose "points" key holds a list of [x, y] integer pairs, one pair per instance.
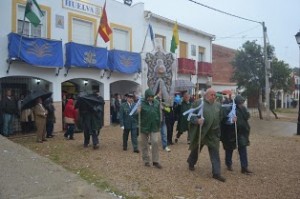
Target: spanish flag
{"points": [[175, 39], [104, 29]]}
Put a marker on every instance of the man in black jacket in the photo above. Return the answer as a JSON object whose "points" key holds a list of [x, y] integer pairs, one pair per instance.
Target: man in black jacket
{"points": [[9, 109]]}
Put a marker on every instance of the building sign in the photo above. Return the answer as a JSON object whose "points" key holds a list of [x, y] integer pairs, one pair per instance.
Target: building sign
{"points": [[82, 7]]}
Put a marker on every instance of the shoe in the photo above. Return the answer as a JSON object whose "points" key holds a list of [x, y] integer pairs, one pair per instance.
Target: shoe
{"points": [[157, 165], [136, 151], [219, 177], [44, 140], [246, 171], [147, 164], [96, 147], [176, 140], [191, 167], [229, 168], [49, 136], [85, 146], [124, 148], [71, 138], [167, 149], [39, 141]]}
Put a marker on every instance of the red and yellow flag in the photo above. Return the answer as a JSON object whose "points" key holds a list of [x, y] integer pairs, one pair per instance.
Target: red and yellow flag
{"points": [[104, 30]]}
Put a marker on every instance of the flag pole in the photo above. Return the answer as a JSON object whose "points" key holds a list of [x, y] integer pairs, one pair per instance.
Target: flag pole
{"points": [[23, 25], [145, 39]]}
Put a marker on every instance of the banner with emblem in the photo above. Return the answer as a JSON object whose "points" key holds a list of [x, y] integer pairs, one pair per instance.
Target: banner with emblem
{"points": [[124, 61], [35, 51], [85, 56]]}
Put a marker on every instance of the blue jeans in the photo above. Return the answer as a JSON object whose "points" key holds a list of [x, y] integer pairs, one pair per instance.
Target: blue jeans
{"points": [[70, 130], [163, 134], [7, 124], [243, 157]]}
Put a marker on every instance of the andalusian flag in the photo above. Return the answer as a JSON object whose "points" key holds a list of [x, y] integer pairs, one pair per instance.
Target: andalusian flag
{"points": [[175, 39], [104, 30], [33, 12]]}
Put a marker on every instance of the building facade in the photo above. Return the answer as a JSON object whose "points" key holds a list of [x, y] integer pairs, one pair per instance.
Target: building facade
{"points": [[77, 22]]}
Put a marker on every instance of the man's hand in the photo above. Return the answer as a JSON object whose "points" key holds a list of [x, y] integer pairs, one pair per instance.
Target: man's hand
{"points": [[200, 121]]}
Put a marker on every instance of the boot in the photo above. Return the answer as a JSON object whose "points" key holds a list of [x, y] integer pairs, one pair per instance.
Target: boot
{"points": [[246, 171]]}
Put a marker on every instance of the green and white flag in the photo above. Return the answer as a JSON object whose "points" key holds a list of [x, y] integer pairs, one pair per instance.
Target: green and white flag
{"points": [[33, 12]]}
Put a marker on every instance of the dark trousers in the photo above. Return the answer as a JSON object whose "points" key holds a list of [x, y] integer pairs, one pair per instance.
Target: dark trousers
{"points": [[170, 128], [88, 133], [49, 128], [214, 159], [243, 157], [70, 130], [133, 138]]}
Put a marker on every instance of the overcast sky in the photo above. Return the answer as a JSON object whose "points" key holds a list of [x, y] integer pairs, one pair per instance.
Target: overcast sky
{"points": [[281, 17]]}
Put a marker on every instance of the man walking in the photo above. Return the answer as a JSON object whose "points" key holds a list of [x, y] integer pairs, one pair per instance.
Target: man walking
{"points": [[129, 123], [150, 126], [210, 133]]}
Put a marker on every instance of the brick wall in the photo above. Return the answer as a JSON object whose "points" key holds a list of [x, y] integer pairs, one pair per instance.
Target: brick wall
{"points": [[221, 64]]}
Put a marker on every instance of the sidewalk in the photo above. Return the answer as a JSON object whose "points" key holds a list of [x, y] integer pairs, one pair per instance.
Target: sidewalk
{"points": [[24, 174]]}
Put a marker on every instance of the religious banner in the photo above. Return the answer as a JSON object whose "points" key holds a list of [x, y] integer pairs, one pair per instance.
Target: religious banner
{"points": [[160, 72], [85, 56], [124, 62], [35, 51]]}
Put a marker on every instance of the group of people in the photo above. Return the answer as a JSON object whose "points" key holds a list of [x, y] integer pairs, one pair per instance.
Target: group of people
{"points": [[86, 113], [149, 116], [209, 128]]}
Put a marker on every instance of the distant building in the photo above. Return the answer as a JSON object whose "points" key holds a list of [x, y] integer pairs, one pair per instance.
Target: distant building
{"points": [[222, 68]]}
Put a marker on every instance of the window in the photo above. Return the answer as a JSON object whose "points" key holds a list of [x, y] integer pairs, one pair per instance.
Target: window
{"points": [[183, 49], [86, 29], [82, 29], [201, 52], [163, 38], [43, 30], [121, 38], [193, 50]]}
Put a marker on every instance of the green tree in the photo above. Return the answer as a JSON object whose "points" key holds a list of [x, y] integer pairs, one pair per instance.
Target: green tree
{"points": [[249, 71], [280, 76]]}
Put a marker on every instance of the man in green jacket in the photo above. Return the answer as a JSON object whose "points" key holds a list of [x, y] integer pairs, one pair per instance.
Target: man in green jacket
{"points": [[129, 123], [150, 126], [210, 133]]}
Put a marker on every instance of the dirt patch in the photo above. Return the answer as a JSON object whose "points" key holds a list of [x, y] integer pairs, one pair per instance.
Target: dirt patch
{"points": [[274, 160]]}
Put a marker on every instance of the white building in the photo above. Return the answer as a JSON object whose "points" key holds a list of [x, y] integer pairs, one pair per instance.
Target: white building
{"points": [[78, 21]]}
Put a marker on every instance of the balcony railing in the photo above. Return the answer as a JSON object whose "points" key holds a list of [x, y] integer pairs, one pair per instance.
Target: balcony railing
{"points": [[204, 69], [186, 66]]}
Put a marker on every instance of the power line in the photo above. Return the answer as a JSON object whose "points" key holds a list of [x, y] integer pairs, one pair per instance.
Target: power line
{"points": [[223, 12]]}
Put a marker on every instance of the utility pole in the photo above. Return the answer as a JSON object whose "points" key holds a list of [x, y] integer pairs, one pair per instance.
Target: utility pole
{"points": [[267, 69]]}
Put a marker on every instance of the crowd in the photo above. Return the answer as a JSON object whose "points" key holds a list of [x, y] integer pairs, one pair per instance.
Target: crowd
{"points": [[145, 119]]}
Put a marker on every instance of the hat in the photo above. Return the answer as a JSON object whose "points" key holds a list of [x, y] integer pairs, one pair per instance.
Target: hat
{"points": [[130, 95], [239, 99]]}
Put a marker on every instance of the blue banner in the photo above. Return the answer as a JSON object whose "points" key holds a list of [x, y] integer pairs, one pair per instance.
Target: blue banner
{"points": [[35, 51], [124, 62], [85, 56]]}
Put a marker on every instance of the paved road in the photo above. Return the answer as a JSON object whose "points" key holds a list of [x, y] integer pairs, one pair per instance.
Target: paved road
{"points": [[273, 127], [24, 175]]}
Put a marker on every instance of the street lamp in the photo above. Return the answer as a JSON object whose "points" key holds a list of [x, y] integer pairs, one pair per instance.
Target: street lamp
{"points": [[297, 36]]}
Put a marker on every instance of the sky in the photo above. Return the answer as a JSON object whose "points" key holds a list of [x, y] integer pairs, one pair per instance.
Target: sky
{"points": [[282, 19]]}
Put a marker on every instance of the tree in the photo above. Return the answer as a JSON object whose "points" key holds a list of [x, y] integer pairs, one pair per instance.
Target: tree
{"points": [[249, 71], [281, 76]]}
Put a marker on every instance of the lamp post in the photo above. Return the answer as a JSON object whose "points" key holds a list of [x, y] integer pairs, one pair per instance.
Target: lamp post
{"points": [[297, 36]]}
